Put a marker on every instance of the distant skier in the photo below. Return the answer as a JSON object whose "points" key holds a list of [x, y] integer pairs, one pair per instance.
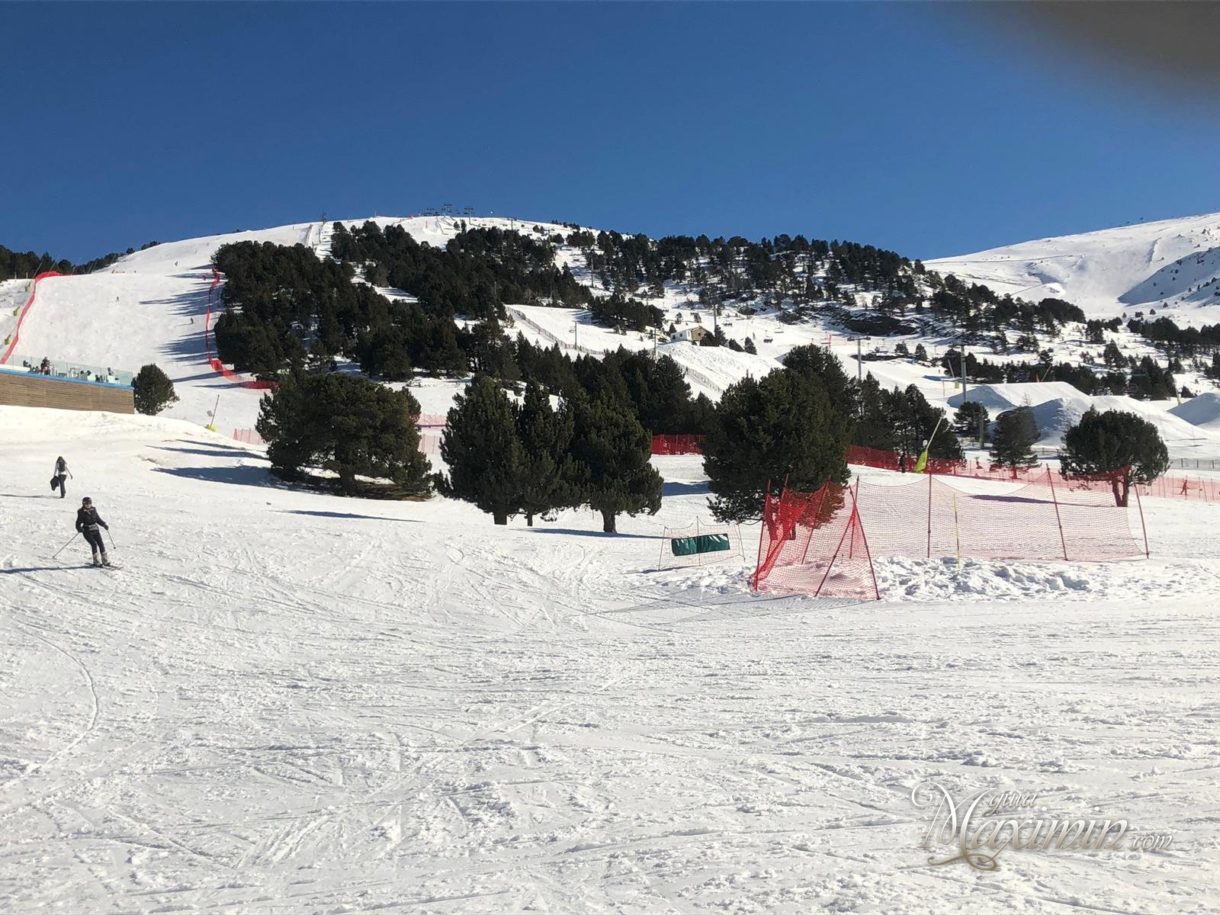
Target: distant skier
{"points": [[87, 522], [61, 473], [902, 462]]}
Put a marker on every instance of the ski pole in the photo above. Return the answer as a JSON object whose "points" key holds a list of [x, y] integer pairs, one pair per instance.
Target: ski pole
{"points": [[64, 547], [111, 536]]}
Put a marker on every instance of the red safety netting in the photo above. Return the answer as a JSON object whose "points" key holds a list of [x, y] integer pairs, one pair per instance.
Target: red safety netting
{"points": [[1169, 486], [1045, 518], [29, 303], [677, 444], [814, 543], [249, 436], [823, 543]]}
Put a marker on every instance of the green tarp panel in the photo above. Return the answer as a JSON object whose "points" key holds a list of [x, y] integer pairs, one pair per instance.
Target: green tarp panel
{"points": [[704, 543]]}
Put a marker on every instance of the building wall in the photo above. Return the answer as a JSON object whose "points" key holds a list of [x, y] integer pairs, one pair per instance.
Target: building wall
{"points": [[31, 390]]}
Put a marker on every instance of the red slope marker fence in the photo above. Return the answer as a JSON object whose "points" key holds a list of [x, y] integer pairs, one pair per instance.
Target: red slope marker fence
{"points": [[29, 303], [254, 384]]}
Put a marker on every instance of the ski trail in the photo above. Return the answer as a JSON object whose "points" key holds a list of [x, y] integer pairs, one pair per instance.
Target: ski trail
{"points": [[94, 713]]}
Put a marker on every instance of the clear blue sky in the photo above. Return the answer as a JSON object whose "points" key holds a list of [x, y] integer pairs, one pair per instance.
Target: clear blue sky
{"points": [[907, 126]]}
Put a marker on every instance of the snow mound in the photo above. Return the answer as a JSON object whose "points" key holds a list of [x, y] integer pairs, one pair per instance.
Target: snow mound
{"points": [[1202, 411], [999, 398]]}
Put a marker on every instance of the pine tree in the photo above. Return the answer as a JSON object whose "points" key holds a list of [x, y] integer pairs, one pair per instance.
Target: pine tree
{"points": [[1013, 439], [1121, 445], [970, 417], [784, 426], [487, 465], [344, 424], [611, 453], [546, 439], [153, 391]]}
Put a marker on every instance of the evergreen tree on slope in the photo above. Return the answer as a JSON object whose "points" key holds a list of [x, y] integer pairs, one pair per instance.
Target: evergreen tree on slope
{"points": [[1012, 444], [487, 465], [546, 437], [783, 426], [611, 453], [344, 424]]}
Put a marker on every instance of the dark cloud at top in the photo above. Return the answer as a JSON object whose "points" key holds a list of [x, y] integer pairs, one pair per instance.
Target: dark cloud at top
{"points": [[1171, 45]]}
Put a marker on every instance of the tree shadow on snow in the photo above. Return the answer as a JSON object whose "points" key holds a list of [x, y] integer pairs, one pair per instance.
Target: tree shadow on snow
{"points": [[202, 444], [236, 474], [352, 515], [576, 533], [684, 489], [220, 452]]}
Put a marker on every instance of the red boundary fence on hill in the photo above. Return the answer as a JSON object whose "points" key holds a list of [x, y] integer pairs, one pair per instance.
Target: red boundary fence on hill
{"points": [[677, 444], [218, 366], [12, 343]]}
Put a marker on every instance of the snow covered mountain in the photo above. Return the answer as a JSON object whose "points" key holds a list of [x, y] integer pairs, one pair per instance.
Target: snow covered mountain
{"points": [[1172, 266], [150, 306]]}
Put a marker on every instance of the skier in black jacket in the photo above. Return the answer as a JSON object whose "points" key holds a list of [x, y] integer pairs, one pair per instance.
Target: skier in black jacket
{"points": [[61, 473], [87, 522]]}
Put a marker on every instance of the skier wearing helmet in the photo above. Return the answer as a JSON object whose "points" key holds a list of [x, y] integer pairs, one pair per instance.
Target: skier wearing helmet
{"points": [[88, 522]]}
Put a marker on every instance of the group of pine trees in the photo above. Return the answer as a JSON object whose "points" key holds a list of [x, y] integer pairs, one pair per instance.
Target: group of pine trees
{"points": [[286, 308], [473, 275], [283, 311], [794, 426], [534, 457], [346, 426], [26, 264]]}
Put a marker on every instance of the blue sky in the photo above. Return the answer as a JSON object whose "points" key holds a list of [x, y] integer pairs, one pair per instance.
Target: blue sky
{"points": [[909, 126]]}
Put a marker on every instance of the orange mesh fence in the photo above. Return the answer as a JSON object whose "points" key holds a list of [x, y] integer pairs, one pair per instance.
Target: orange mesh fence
{"points": [[822, 543], [249, 436], [1169, 486], [11, 340], [1041, 519], [814, 543]]}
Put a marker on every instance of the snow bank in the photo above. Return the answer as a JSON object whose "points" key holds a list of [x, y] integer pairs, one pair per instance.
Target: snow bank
{"points": [[1202, 411]]}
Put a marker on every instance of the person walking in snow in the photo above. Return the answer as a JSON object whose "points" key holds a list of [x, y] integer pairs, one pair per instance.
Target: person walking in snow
{"points": [[88, 522], [61, 473]]}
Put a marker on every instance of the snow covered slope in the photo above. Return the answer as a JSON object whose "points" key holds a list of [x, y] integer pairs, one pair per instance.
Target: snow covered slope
{"points": [[1172, 266], [149, 307], [289, 702]]}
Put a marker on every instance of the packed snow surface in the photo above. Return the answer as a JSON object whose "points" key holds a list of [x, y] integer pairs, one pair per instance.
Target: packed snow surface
{"points": [[292, 702]]}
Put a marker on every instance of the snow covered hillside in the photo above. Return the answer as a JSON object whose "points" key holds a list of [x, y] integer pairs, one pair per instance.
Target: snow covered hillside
{"points": [[293, 702], [150, 305], [1172, 266]]}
